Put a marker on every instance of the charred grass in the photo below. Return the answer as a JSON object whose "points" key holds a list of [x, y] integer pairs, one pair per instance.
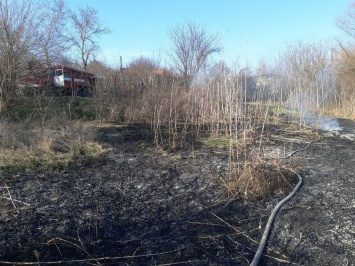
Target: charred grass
{"points": [[83, 193], [139, 204]]}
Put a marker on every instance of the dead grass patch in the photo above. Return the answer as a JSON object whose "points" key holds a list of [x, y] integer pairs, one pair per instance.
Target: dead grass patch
{"points": [[342, 112], [30, 146], [257, 180], [264, 179]]}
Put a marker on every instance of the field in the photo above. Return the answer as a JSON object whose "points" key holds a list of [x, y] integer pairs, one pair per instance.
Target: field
{"points": [[131, 202]]}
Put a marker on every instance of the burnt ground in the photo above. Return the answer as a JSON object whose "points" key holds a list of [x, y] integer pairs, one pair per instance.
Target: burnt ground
{"points": [[138, 205]]}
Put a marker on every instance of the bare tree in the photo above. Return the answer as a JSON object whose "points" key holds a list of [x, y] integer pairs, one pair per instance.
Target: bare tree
{"points": [[191, 47], [51, 30], [86, 28], [307, 84], [346, 22], [344, 61], [18, 43]]}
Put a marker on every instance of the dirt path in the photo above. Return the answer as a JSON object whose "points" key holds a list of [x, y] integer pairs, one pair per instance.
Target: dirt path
{"points": [[137, 205]]}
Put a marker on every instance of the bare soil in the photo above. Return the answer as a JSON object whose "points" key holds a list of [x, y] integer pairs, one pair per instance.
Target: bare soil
{"points": [[138, 205]]}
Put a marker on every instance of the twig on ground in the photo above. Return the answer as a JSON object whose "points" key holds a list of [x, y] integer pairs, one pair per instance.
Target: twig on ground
{"points": [[10, 197], [93, 259], [177, 263], [248, 237], [82, 247], [61, 255], [235, 228], [268, 256], [212, 224], [227, 186]]}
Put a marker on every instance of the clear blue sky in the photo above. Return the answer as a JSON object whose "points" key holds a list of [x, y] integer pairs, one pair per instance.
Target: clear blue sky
{"points": [[251, 29]]}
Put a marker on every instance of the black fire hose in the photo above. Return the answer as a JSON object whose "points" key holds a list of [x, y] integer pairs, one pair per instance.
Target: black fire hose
{"points": [[264, 238]]}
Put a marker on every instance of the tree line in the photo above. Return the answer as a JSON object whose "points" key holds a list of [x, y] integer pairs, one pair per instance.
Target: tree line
{"points": [[306, 76]]}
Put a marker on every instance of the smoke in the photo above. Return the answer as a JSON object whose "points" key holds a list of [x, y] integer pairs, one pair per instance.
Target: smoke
{"points": [[303, 102], [323, 123], [329, 124]]}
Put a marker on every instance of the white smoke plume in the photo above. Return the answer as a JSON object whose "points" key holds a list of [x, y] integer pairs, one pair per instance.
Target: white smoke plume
{"points": [[303, 103], [323, 123]]}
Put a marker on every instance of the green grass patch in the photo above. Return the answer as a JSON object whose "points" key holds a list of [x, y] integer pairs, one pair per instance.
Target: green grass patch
{"points": [[215, 141]]}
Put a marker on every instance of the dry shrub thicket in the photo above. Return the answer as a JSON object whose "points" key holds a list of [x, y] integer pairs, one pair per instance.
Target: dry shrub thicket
{"points": [[233, 105], [344, 63]]}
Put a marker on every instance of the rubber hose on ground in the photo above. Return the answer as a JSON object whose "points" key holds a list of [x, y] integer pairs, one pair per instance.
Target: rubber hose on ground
{"points": [[267, 230]]}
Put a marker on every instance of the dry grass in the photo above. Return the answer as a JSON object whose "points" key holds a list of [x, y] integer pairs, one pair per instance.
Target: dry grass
{"points": [[28, 145], [259, 180], [253, 173], [342, 112]]}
